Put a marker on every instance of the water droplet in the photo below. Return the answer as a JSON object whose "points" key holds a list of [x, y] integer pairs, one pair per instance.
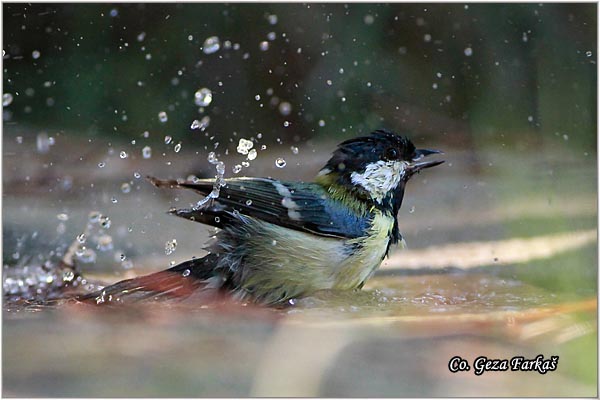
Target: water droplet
{"points": [[412, 209], [271, 36], [245, 164], [272, 19], [186, 273], [237, 168], [220, 167], [217, 220], [177, 147], [94, 217], [163, 117], [203, 97], [566, 137], [105, 243], [137, 175], [321, 122], [35, 54], [264, 45], [114, 200], [369, 19], [530, 118], [141, 36], [87, 256], [81, 238], [63, 217], [588, 53], [147, 152], [248, 202], [125, 187], [42, 143], [7, 98], [105, 222], [252, 154], [280, 162], [101, 165], [285, 108], [168, 139], [244, 146], [170, 246], [204, 123], [294, 149], [286, 123], [468, 52], [211, 45], [274, 242], [123, 154], [68, 276]]}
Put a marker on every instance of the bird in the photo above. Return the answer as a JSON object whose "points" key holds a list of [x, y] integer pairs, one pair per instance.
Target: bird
{"points": [[279, 241]]}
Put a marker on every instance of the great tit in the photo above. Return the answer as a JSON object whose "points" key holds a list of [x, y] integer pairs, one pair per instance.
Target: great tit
{"points": [[278, 240]]}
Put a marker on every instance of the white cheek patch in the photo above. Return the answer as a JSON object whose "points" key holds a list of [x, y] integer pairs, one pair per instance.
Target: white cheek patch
{"points": [[380, 177], [287, 201]]}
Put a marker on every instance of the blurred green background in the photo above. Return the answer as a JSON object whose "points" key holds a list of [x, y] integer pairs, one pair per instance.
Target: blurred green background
{"points": [[476, 73]]}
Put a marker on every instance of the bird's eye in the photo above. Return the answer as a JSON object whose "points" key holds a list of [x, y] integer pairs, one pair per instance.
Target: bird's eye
{"points": [[391, 153]]}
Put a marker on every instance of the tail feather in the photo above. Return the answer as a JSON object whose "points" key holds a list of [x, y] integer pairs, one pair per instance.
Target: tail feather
{"points": [[201, 186], [178, 282], [163, 183]]}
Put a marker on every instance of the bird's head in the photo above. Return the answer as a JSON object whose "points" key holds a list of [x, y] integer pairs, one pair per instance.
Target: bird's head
{"points": [[376, 167]]}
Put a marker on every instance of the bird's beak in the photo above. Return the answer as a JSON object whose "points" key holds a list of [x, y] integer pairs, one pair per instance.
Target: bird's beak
{"points": [[415, 166]]}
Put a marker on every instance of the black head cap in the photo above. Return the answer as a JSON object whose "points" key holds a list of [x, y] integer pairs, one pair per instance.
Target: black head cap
{"points": [[356, 165], [355, 154]]}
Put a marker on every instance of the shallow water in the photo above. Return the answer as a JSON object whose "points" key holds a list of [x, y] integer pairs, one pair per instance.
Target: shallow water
{"points": [[499, 264]]}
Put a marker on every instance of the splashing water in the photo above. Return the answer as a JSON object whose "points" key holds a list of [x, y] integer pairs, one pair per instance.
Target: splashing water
{"points": [[170, 246], [252, 154], [147, 152], [51, 278], [280, 162], [244, 146], [201, 124], [7, 98], [219, 180], [203, 97], [211, 45]]}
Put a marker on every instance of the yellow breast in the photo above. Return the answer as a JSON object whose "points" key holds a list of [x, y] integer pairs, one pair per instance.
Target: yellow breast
{"points": [[370, 252]]}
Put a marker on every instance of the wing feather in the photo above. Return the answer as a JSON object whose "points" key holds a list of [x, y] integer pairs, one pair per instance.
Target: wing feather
{"points": [[296, 205]]}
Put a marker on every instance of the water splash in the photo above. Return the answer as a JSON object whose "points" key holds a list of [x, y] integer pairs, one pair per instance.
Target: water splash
{"points": [[170, 246], [203, 97], [211, 45], [219, 180], [244, 146], [280, 163]]}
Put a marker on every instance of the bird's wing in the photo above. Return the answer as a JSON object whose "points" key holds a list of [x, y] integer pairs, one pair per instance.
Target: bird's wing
{"points": [[300, 206]]}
